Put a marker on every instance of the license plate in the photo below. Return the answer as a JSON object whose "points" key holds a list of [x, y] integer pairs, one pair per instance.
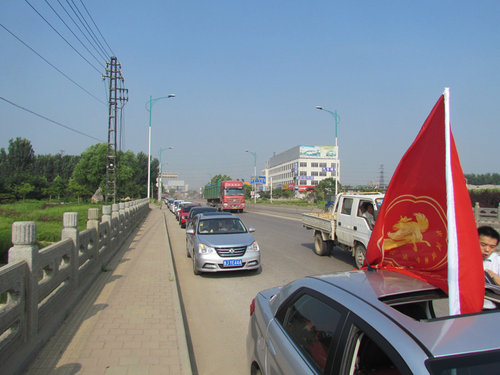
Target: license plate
{"points": [[232, 263]]}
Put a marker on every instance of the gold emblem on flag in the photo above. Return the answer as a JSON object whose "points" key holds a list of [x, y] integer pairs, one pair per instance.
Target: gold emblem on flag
{"points": [[414, 233], [407, 231]]}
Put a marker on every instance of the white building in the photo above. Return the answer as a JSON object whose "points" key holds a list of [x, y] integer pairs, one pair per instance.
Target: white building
{"points": [[302, 166]]}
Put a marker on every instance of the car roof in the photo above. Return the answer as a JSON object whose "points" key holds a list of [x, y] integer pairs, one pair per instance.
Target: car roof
{"points": [[204, 208], [218, 215], [443, 336]]}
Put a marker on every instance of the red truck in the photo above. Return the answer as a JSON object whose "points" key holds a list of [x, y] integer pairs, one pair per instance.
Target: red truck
{"points": [[225, 195]]}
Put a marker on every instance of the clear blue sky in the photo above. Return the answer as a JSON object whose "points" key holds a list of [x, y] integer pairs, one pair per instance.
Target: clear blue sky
{"points": [[248, 74]]}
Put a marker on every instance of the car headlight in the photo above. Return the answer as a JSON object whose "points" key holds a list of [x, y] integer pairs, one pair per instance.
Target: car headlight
{"points": [[253, 247], [204, 249]]}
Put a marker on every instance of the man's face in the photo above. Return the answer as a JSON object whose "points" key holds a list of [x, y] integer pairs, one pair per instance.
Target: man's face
{"points": [[488, 245]]}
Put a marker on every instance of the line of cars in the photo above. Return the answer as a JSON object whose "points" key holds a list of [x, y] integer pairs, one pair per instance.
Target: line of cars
{"points": [[216, 241], [358, 322]]}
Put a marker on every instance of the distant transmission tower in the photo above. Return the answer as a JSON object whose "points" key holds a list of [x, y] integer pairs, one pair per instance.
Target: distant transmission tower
{"points": [[381, 181], [116, 95]]}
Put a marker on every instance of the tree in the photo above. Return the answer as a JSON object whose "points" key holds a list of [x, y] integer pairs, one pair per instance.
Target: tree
{"points": [[56, 188], [325, 190], [20, 157], [141, 176], [23, 189], [78, 190], [220, 177], [90, 172], [129, 174]]}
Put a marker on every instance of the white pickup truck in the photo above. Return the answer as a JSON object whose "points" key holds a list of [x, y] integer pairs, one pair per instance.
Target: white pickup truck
{"points": [[346, 225]]}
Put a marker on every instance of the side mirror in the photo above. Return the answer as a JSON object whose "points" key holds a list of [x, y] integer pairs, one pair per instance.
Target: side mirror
{"points": [[251, 230], [190, 231]]}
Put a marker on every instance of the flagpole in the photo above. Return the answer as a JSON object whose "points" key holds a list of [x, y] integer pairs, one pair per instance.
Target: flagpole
{"points": [[453, 287]]}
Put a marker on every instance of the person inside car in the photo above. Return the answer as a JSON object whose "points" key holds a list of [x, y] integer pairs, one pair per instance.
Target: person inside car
{"points": [[368, 213], [488, 241]]}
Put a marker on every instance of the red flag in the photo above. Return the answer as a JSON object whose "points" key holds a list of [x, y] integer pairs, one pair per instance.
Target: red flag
{"points": [[417, 232]]}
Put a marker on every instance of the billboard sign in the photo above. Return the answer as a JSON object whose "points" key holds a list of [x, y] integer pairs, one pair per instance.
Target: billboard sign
{"points": [[318, 152]]}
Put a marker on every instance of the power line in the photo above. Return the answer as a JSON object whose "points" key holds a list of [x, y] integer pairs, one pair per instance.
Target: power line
{"points": [[50, 120], [63, 38], [84, 7], [86, 26], [52, 65], [64, 22]]}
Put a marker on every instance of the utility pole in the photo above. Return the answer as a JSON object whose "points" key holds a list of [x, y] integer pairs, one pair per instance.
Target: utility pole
{"points": [[116, 95]]}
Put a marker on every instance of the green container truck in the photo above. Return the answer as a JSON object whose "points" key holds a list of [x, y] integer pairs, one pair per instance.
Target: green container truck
{"points": [[225, 195]]}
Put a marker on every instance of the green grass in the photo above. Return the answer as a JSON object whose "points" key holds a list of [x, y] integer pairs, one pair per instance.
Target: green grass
{"points": [[48, 217], [290, 202]]}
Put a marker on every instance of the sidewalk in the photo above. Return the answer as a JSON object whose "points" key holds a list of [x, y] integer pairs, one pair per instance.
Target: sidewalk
{"points": [[129, 322]]}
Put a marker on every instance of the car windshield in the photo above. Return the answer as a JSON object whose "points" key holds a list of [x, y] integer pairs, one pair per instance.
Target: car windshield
{"points": [[187, 208], [221, 226], [234, 191], [470, 363]]}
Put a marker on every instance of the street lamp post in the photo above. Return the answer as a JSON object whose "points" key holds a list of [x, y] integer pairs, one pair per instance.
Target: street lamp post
{"points": [[255, 174], [336, 118], [160, 185], [149, 108]]}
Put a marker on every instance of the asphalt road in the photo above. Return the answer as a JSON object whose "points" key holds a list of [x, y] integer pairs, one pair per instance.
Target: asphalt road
{"points": [[217, 305]]}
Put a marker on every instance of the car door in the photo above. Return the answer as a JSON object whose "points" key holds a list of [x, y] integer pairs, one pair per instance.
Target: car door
{"points": [[361, 230], [345, 226], [190, 238], [302, 339]]}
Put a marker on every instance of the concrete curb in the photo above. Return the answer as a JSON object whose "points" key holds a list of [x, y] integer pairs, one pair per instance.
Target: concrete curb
{"points": [[185, 359]]}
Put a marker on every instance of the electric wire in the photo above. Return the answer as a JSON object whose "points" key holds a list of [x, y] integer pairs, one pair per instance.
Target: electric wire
{"points": [[58, 33], [83, 45], [52, 65], [50, 120], [86, 26], [97, 28]]}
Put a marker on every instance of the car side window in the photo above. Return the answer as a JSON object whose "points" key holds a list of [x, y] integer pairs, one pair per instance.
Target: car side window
{"points": [[311, 325], [346, 206], [368, 356]]}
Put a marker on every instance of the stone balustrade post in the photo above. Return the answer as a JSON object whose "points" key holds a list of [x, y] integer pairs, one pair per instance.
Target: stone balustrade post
{"points": [[123, 217], [498, 212], [128, 212], [70, 230], [24, 241], [93, 222], [476, 212], [116, 215], [93, 219], [106, 218]]}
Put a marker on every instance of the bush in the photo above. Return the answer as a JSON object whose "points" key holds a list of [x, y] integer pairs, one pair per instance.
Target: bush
{"points": [[485, 198], [7, 198]]}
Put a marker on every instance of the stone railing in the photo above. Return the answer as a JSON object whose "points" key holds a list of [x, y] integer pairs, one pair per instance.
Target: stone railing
{"points": [[38, 288], [487, 216]]}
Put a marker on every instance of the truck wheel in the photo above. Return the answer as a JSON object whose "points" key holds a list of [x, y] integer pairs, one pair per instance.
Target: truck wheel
{"points": [[320, 246], [359, 255]]}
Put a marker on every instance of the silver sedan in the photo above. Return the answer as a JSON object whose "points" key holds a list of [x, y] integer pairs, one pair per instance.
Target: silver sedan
{"points": [[367, 322], [221, 242]]}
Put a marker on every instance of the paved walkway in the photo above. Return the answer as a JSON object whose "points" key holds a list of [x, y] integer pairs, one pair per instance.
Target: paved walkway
{"points": [[129, 322]]}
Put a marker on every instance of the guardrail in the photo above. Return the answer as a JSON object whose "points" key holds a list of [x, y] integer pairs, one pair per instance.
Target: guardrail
{"points": [[487, 216], [38, 288]]}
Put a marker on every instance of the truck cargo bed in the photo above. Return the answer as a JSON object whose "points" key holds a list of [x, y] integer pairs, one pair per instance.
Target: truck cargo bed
{"points": [[322, 221]]}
